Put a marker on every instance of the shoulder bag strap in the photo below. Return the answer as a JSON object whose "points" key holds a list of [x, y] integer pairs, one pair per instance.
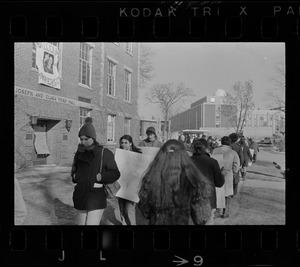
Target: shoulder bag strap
{"points": [[100, 170]]}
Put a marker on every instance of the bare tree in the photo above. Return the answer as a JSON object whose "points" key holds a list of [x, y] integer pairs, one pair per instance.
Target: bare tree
{"points": [[238, 104], [146, 65], [276, 95], [167, 96]]}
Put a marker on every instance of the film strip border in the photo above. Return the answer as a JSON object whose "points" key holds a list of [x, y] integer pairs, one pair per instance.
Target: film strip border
{"points": [[152, 21], [155, 21], [154, 246]]}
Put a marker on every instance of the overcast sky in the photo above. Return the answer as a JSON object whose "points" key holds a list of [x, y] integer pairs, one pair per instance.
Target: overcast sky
{"points": [[206, 67]]}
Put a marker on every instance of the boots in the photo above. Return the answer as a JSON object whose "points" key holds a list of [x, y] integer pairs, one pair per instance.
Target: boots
{"points": [[226, 210], [218, 213]]}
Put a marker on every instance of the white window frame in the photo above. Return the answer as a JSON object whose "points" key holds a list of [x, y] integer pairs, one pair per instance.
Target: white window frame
{"points": [[111, 123], [60, 47], [86, 60], [127, 84], [127, 124], [86, 113], [111, 76], [128, 48]]}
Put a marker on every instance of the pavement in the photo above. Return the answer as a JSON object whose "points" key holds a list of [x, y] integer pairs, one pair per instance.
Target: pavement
{"points": [[47, 191]]}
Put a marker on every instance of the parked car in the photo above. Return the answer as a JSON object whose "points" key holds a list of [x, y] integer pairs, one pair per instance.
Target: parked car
{"points": [[266, 141]]}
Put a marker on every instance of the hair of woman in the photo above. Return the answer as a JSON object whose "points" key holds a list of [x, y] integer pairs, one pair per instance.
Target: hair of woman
{"points": [[129, 139], [225, 140], [171, 169], [200, 145]]}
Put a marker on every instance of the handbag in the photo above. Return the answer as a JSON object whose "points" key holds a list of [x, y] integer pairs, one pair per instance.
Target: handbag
{"points": [[109, 189]]}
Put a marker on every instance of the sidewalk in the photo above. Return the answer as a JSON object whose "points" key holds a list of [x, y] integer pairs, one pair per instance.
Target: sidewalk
{"points": [[47, 192]]}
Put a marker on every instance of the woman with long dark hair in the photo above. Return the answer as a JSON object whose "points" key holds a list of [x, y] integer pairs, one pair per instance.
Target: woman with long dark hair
{"points": [[127, 207], [173, 189]]}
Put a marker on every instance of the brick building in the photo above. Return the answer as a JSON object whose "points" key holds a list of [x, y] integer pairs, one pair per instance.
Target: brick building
{"points": [[99, 80], [206, 114]]}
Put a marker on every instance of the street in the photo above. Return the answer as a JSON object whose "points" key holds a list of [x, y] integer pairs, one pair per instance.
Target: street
{"points": [[47, 192]]}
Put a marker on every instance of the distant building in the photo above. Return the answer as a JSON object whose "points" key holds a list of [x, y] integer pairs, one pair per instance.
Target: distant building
{"points": [[206, 114], [58, 85]]}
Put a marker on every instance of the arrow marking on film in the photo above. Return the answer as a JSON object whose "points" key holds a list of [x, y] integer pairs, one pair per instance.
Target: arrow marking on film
{"points": [[181, 261]]}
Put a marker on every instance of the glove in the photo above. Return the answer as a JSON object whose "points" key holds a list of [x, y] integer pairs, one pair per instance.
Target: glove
{"points": [[73, 175]]}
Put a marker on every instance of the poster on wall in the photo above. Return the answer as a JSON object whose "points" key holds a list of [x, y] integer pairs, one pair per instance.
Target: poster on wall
{"points": [[47, 56]]}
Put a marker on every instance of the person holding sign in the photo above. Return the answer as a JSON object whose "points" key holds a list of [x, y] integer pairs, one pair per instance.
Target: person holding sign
{"points": [[151, 140], [89, 196], [127, 207], [173, 189]]}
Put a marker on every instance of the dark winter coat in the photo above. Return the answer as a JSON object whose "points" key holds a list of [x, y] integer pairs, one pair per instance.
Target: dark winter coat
{"points": [[188, 202], [238, 149], [86, 167], [247, 155], [211, 169]]}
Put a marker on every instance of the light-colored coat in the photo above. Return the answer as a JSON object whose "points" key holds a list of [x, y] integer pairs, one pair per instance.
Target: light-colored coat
{"points": [[231, 163], [147, 143]]}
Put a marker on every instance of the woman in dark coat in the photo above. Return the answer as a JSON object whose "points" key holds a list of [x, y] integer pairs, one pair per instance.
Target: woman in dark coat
{"points": [[173, 189], [210, 168], [89, 197]]}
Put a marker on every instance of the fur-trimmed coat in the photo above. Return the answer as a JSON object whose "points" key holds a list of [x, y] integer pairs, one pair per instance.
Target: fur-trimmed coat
{"points": [[187, 202]]}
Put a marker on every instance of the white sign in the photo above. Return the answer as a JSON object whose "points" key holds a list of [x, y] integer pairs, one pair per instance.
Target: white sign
{"points": [[47, 58], [132, 166]]}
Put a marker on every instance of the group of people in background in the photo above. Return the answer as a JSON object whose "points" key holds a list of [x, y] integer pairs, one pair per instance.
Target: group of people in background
{"points": [[177, 188]]}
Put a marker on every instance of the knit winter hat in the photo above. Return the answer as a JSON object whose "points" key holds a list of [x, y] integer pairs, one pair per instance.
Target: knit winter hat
{"points": [[88, 129], [150, 130]]}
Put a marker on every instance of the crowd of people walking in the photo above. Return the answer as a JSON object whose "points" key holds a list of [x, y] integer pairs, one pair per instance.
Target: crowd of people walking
{"points": [[178, 188], [183, 184]]}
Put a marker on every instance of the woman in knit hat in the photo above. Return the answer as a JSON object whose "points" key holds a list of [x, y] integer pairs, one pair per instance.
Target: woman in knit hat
{"points": [[89, 196], [151, 140]]}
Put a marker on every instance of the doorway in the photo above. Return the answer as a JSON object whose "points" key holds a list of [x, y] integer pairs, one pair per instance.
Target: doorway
{"points": [[40, 146]]}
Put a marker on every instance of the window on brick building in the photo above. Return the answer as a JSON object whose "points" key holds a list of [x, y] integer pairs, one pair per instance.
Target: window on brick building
{"points": [[127, 126], [85, 64], [111, 78], [83, 114], [33, 63], [111, 128], [128, 48], [127, 89]]}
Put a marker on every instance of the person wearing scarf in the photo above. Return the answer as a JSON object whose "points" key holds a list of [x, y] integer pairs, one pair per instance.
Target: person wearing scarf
{"points": [[89, 196]]}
